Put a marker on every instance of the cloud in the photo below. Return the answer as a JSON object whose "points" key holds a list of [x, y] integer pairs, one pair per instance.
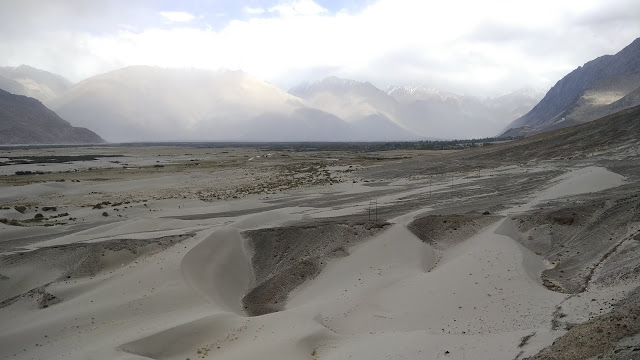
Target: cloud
{"points": [[458, 45], [177, 16], [253, 10], [298, 8]]}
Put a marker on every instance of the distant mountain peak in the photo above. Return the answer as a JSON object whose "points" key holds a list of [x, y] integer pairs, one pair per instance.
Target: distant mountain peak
{"points": [[334, 80], [30, 71], [406, 93], [25, 67], [527, 91], [332, 84], [411, 89]]}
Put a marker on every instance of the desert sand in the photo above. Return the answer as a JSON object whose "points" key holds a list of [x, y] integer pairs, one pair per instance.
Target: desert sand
{"points": [[257, 254]]}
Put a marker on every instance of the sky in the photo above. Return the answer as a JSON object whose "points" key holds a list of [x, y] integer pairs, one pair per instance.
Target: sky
{"points": [[466, 46]]}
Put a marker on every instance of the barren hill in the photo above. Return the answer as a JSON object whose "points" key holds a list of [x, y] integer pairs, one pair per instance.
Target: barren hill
{"points": [[24, 120]]}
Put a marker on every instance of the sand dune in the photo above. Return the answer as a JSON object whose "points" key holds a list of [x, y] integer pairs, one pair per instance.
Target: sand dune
{"points": [[173, 284], [579, 181], [482, 286], [219, 269]]}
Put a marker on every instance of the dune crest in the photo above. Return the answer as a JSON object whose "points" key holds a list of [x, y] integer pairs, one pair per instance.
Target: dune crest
{"points": [[219, 269]]}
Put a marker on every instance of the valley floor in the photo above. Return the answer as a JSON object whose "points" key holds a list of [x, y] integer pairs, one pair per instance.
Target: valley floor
{"points": [[245, 253]]}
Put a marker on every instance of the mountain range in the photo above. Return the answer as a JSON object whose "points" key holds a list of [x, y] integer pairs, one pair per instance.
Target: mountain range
{"points": [[143, 103], [407, 110]]}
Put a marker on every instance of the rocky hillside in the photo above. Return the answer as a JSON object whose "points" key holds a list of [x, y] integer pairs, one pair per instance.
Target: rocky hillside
{"points": [[25, 120], [617, 134], [598, 88]]}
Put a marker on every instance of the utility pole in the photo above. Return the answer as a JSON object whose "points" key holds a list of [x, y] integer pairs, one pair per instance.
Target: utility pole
{"points": [[373, 208]]}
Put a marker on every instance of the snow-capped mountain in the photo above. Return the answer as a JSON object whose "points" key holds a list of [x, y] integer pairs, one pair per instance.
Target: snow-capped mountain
{"points": [[372, 111], [411, 93]]}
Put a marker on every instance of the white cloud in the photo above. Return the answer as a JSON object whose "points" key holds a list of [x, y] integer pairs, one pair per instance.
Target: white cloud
{"points": [[253, 10], [298, 8], [491, 46], [177, 16]]}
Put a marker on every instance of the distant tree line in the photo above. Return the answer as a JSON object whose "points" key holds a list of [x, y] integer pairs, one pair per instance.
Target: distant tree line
{"points": [[386, 146]]}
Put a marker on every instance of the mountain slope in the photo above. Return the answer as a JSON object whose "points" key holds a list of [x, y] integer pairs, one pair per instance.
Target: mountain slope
{"points": [[29, 81], [371, 112], [409, 112], [141, 103], [447, 115], [617, 134], [304, 124], [584, 94], [24, 120], [440, 114], [348, 99], [11, 86]]}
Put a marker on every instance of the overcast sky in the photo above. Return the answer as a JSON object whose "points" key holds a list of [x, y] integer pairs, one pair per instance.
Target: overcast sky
{"points": [[468, 46]]}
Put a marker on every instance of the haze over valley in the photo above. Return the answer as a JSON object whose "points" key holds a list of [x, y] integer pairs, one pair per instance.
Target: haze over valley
{"points": [[145, 103]]}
